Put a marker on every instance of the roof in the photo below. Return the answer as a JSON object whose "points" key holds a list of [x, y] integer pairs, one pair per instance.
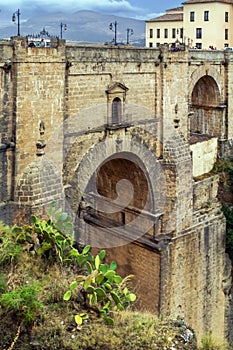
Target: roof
{"points": [[176, 17], [207, 1], [168, 17], [180, 9]]}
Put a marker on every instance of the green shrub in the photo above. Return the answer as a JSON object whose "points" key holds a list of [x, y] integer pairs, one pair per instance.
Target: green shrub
{"points": [[52, 244], [228, 212], [3, 284], [101, 290], [22, 302], [55, 237], [9, 246], [98, 288], [224, 167], [209, 343]]}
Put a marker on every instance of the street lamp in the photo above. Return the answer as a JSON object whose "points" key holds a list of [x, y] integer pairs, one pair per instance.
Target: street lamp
{"points": [[63, 27], [113, 27], [129, 32], [17, 13]]}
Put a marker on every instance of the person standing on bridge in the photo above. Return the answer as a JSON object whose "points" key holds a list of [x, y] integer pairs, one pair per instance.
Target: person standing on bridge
{"points": [[42, 43]]}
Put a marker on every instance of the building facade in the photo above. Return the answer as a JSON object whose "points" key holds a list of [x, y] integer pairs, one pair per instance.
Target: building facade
{"points": [[201, 24]]}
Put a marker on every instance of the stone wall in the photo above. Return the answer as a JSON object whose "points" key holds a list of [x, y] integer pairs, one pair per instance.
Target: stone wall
{"points": [[59, 140], [204, 156], [32, 112], [93, 70], [143, 265], [195, 288], [39, 83], [7, 138]]}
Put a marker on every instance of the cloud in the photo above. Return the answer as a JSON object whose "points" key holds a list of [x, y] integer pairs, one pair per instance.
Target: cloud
{"points": [[118, 7], [103, 5]]}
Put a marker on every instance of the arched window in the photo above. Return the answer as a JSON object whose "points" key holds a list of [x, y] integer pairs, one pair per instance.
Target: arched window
{"points": [[208, 116], [116, 110]]}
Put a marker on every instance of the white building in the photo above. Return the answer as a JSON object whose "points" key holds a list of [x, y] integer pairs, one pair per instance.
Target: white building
{"points": [[202, 24]]}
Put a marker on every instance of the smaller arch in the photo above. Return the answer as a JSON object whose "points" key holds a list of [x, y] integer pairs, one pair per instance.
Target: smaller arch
{"points": [[116, 111], [208, 115], [206, 92], [202, 71]]}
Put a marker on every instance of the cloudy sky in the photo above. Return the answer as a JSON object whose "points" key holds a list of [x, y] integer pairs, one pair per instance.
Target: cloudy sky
{"points": [[140, 9]]}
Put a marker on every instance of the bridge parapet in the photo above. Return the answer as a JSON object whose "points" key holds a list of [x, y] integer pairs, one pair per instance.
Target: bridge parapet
{"points": [[207, 55]]}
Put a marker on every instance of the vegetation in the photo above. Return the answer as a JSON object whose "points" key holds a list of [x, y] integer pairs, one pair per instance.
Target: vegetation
{"points": [[228, 212], [101, 290], [23, 301], [209, 343], [224, 167], [55, 295]]}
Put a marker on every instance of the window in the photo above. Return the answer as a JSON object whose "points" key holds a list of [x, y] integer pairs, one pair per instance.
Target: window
{"points": [[206, 15], [158, 33], [173, 33], [157, 44], [116, 110], [198, 45], [165, 33], [151, 33], [226, 34], [226, 17], [181, 33], [192, 16], [150, 44], [198, 33]]}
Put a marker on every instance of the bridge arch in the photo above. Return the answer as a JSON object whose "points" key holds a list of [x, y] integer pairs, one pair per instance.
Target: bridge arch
{"points": [[206, 92], [201, 71], [107, 217], [208, 111], [109, 153]]}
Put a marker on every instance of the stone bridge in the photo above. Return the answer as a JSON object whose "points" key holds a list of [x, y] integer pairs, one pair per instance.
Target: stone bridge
{"points": [[125, 140]]}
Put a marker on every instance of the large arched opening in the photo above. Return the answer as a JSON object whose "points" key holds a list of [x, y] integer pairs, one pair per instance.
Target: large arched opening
{"points": [[120, 217], [120, 198], [208, 116], [117, 184]]}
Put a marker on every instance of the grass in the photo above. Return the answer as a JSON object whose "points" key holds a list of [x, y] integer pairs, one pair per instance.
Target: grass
{"points": [[208, 342]]}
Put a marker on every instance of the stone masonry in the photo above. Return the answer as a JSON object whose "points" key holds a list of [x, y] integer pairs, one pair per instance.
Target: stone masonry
{"points": [[109, 133]]}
